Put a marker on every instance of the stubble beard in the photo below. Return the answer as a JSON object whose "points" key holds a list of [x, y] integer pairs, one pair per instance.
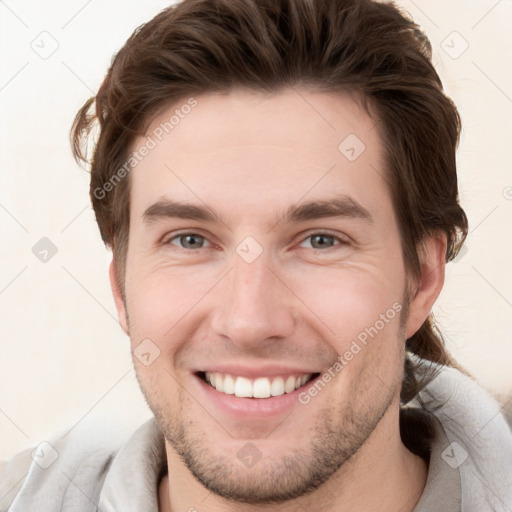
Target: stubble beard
{"points": [[339, 432], [332, 443]]}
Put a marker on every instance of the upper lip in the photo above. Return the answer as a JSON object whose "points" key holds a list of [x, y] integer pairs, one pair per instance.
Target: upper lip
{"points": [[268, 370]]}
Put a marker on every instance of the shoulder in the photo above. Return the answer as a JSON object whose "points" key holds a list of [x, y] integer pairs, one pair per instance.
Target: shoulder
{"points": [[477, 440], [12, 476], [66, 469]]}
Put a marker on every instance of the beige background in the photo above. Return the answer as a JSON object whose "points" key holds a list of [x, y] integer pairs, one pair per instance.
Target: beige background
{"points": [[63, 357]]}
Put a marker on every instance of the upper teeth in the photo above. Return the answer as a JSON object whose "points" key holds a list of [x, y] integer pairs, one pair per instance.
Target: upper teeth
{"points": [[262, 387]]}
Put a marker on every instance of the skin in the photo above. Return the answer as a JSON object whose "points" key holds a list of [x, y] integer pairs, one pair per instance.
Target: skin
{"points": [[248, 157]]}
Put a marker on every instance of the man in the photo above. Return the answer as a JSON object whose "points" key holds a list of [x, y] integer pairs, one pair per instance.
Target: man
{"points": [[277, 182]]}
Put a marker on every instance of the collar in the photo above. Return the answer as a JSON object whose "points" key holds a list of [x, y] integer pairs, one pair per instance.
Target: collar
{"points": [[133, 479]]}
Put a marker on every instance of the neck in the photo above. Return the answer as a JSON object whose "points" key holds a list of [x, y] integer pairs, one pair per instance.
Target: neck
{"points": [[382, 476]]}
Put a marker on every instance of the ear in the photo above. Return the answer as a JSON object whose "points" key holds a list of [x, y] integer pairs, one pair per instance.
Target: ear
{"points": [[432, 256], [118, 298]]}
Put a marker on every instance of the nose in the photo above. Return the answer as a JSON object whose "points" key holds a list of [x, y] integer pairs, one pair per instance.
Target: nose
{"points": [[253, 307]]}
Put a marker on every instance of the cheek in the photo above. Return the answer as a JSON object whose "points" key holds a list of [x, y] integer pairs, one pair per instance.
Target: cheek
{"points": [[158, 385], [360, 312], [159, 301], [349, 300]]}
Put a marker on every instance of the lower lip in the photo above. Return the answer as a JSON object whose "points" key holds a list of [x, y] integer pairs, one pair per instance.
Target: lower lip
{"points": [[252, 408]]}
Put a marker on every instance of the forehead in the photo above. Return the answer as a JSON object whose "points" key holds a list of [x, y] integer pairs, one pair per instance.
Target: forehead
{"points": [[246, 150]]}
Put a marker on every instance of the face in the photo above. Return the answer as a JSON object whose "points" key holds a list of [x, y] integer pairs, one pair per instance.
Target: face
{"points": [[264, 256]]}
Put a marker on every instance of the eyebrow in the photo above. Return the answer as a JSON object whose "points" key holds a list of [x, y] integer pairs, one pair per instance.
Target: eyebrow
{"points": [[165, 208], [342, 206]]}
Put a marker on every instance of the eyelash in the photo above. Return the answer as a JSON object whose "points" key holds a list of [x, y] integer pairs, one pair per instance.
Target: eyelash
{"points": [[341, 241]]}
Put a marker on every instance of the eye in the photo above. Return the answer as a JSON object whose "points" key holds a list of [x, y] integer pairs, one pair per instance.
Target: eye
{"points": [[323, 241], [188, 241]]}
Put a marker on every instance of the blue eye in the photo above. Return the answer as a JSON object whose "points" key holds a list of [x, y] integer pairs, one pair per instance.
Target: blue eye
{"points": [[189, 241], [316, 241], [323, 241]]}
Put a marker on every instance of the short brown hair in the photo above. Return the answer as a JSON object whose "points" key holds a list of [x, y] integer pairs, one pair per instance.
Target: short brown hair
{"points": [[369, 48]]}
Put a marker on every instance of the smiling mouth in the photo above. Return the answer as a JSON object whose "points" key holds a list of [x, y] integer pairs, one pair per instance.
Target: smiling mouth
{"points": [[261, 387]]}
